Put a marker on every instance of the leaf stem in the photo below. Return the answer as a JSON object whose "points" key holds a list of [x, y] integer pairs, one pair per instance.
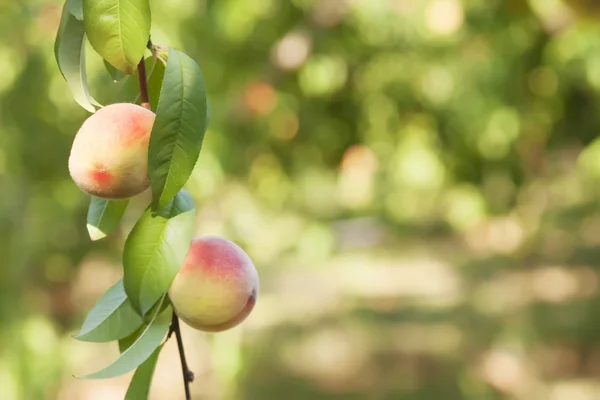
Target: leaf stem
{"points": [[154, 49], [188, 376], [143, 84]]}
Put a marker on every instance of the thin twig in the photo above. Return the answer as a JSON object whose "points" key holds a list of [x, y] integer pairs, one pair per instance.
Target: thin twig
{"points": [[188, 376], [143, 84]]}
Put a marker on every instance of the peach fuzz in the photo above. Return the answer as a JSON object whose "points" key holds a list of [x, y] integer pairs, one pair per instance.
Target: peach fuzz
{"points": [[109, 156], [216, 287]]}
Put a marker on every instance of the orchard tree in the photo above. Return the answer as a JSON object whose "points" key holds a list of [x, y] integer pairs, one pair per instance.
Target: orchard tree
{"points": [[151, 142]]}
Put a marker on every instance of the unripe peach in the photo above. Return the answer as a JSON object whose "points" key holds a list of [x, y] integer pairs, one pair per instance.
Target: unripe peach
{"points": [[109, 156], [216, 287]]}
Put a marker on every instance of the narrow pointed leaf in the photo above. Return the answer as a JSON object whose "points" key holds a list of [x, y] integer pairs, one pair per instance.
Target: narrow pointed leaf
{"points": [[114, 73], [104, 216], [112, 318], [155, 250], [69, 50], [178, 131], [75, 7], [126, 90], [155, 80], [141, 349], [127, 341], [118, 30], [139, 387]]}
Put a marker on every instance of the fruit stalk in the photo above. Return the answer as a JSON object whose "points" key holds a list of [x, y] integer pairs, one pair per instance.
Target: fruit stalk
{"points": [[188, 376]]}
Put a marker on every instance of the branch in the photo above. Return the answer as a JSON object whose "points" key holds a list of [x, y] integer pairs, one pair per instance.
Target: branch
{"points": [[143, 84], [188, 376]]}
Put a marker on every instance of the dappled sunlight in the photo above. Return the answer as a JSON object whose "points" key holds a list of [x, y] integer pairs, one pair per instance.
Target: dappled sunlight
{"points": [[94, 276], [437, 85], [441, 340], [554, 284], [323, 76], [511, 291], [444, 17], [356, 177], [580, 389], [508, 371], [503, 294], [292, 50], [328, 13], [429, 281], [331, 357], [260, 98], [495, 236]]}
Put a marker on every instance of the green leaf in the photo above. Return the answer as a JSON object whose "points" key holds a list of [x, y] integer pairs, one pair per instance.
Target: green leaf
{"points": [[139, 387], [141, 349], [112, 318], [75, 7], [155, 250], [104, 216], [69, 50], [155, 80], [114, 73], [160, 305], [127, 341], [128, 88], [118, 30], [179, 127]]}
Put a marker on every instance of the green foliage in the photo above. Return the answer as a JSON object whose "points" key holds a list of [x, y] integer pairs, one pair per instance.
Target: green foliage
{"points": [[135, 311], [155, 82], [155, 250], [379, 124], [114, 73], [141, 345], [112, 318], [104, 216], [118, 30], [75, 7], [139, 387], [127, 89], [69, 50], [178, 131]]}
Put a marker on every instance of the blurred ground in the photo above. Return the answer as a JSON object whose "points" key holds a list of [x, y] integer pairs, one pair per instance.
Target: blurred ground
{"points": [[415, 180]]}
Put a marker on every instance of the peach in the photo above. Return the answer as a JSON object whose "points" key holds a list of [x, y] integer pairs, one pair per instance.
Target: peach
{"points": [[109, 156], [216, 287]]}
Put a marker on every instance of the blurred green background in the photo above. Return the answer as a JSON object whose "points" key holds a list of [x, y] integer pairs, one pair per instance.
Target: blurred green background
{"points": [[416, 181]]}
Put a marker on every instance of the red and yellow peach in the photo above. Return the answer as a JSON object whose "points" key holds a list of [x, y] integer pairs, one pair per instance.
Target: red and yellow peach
{"points": [[109, 156], [216, 287]]}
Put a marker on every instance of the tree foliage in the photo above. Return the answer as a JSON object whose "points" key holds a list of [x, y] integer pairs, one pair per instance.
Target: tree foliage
{"points": [[135, 310], [379, 112]]}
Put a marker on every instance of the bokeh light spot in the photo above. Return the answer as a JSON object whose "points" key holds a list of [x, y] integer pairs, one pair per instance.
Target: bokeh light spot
{"points": [[444, 17]]}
